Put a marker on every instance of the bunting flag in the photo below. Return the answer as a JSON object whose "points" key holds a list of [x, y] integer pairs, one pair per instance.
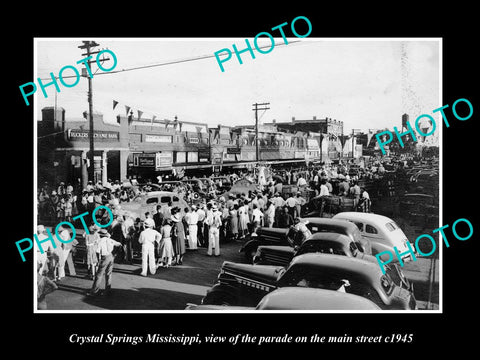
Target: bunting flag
{"points": [[153, 118], [199, 129], [166, 123], [127, 109], [139, 114], [115, 103]]}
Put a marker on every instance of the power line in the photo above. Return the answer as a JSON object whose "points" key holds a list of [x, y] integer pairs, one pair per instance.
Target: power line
{"points": [[173, 62]]}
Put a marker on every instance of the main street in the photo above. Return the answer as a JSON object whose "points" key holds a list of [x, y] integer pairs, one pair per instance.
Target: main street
{"points": [[173, 288]]}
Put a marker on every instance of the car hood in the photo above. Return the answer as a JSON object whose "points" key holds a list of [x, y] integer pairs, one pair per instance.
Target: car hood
{"points": [[262, 273], [216, 307], [277, 249], [367, 257]]}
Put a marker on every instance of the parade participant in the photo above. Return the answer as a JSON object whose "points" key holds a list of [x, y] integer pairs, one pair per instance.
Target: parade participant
{"points": [[147, 239], [242, 219], [42, 258], [128, 229], [301, 181], [269, 214], [323, 188], [214, 221], [45, 286], [233, 222], [257, 218], [285, 220], [303, 229], [355, 191], [166, 247], [343, 187], [64, 253], [191, 218], [178, 236], [300, 203], [200, 225], [105, 267], [91, 243], [291, 203]]}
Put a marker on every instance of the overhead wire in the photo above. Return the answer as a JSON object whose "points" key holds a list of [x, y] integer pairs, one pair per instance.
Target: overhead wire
{"points": [[172, 62]]}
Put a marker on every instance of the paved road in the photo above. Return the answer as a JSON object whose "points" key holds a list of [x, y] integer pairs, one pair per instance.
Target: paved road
{"points": [[173, 288]]}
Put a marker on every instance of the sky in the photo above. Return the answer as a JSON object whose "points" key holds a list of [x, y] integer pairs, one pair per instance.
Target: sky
{"points": [[366, 83]]}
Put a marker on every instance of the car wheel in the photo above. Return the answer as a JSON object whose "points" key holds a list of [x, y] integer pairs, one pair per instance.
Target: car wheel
{"points": [[218, 298]]}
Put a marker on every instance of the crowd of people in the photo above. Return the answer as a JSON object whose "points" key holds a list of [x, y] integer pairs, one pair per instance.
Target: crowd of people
{"points": [[161, 238]]}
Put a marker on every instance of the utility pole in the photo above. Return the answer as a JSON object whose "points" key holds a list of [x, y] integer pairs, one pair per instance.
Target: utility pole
{"points": [[256, 108], [88, 45], [353, 143]]}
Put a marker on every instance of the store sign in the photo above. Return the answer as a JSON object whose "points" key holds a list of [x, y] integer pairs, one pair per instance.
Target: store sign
{"points": [[193, 140], [83, 135], [233, 150], [164, 159], [146, 160], [158, 138]]}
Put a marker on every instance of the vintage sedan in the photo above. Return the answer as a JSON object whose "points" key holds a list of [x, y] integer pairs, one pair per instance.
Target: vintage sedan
{"points": [[286, 236], [246, 285], [301, 298], [322, 242], [147, 202], [382, 232]]}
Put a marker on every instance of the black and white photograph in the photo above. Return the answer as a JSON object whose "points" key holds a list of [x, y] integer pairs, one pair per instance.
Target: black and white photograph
{"points": [[271, 181], [274, 189]]}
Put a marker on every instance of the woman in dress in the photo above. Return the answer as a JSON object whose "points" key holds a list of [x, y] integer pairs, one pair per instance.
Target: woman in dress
{"points": [[91, 242], [242, 219], [166, 247], [233, 222], [178, 236]]}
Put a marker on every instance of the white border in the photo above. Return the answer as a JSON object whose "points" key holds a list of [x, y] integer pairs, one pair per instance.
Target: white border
{"points": [[219, 312]]}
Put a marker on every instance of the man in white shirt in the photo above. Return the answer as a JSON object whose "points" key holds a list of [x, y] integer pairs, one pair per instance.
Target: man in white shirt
{"points": [[191, 218], [214, 221], [105, 267], [147, 239], [257, 216], [291, 202]]}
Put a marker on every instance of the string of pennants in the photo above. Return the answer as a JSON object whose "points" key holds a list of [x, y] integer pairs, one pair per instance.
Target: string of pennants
{"points": [[129, 114]]}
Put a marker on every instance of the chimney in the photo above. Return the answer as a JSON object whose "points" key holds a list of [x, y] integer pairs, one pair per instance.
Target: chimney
{"points": [[53, 120], [314, 118], [293, 119]]}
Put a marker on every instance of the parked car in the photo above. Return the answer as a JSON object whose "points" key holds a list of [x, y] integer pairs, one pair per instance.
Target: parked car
{"points": [[142, 203], [300, 298], [246, 285], [382, 232], [285, 236], [322, 242]]}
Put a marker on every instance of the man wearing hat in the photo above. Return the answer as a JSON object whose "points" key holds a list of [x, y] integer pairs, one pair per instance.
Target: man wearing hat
{"points": [[105, 267], [214, 222], [147, 240]]}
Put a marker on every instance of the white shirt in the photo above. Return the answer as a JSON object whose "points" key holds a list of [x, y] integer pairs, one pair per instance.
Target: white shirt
{"points": [[257, 215], [323, 190], [105, 245], [149, 236]]}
